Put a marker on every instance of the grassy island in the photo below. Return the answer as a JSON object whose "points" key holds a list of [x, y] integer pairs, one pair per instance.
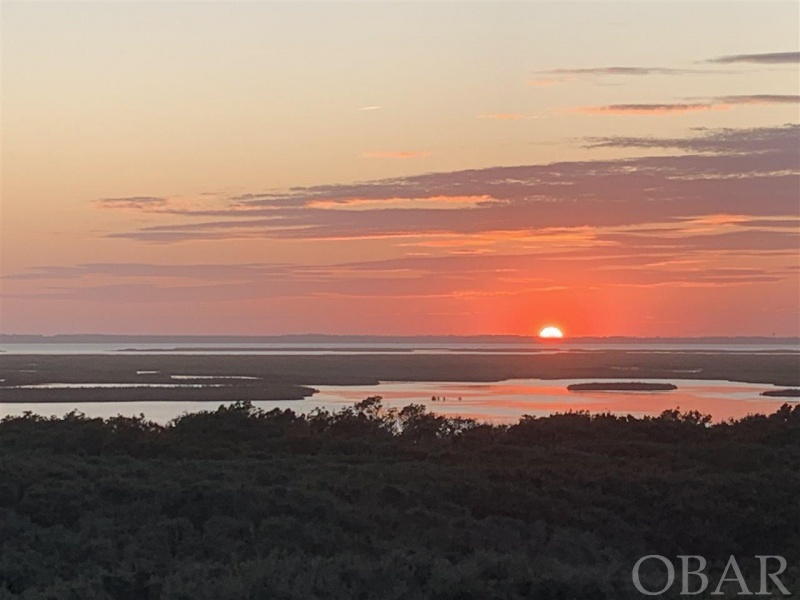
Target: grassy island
{"points": [[790, 393], [621, 386]]}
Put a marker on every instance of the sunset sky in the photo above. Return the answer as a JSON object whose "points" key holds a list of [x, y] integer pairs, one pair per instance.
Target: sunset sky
{"points": [[613, 168]]}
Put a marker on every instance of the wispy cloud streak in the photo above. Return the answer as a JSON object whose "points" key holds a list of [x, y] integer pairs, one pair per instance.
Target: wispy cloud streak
{"points": [[504, 116], [718, 103], [134, 202], [648, 109], [623, 71], [772, 142], [396, 154], [769, 58]]}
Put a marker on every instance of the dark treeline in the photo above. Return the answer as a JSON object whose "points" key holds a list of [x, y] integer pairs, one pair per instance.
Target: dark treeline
{"points": [[370, 503]]}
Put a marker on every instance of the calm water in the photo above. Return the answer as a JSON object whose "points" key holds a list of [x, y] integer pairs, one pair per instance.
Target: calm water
{"points": [[504, 401], [498, 402]]}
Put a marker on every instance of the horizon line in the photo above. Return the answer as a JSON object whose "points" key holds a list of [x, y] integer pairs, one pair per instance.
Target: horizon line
{"points": [[533, 336]]}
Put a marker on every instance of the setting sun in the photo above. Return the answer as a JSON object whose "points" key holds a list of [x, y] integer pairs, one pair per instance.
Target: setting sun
{"points": [[551, 332]]}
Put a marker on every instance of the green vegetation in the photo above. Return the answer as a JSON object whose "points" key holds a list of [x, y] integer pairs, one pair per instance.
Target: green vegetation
{"points": [[782, 393], [373, 503], [291, 377], [618, 386]]}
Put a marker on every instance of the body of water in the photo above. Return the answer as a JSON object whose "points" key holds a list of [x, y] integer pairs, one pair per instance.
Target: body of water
{"points": [[501, 402]]}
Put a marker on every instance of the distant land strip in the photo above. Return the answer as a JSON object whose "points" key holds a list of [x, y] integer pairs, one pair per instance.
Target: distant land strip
{"points": [[7, 338], [268, 349]]}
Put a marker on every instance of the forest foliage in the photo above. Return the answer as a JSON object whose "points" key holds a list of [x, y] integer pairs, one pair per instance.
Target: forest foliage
{"points": [[370, 502]]}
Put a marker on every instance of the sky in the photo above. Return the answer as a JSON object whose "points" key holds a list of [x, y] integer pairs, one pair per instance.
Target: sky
{"points": [[400, 168]]}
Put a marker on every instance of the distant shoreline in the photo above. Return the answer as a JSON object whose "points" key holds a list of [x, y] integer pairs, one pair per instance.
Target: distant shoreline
{"points": [[278, 349], [6, 338]]}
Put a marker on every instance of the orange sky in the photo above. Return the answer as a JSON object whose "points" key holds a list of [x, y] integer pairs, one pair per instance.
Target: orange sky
{"points": [[404, 169]]}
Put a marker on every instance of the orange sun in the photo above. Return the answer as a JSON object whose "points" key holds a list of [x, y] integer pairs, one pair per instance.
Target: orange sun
{"points": [[551, 333]]}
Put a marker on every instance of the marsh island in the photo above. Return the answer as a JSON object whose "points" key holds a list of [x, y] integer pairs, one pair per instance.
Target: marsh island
{"points": [[621, 386]]}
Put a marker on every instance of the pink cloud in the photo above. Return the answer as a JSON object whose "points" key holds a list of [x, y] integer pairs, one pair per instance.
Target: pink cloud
{"points": [[396, 154], [647, 109], [545, 82], [719, 103], [134, 202], [429, 202], [503, 116]]}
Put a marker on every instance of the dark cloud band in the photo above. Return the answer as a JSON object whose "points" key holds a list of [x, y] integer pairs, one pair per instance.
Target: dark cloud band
{"points": [[770, 58]]}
